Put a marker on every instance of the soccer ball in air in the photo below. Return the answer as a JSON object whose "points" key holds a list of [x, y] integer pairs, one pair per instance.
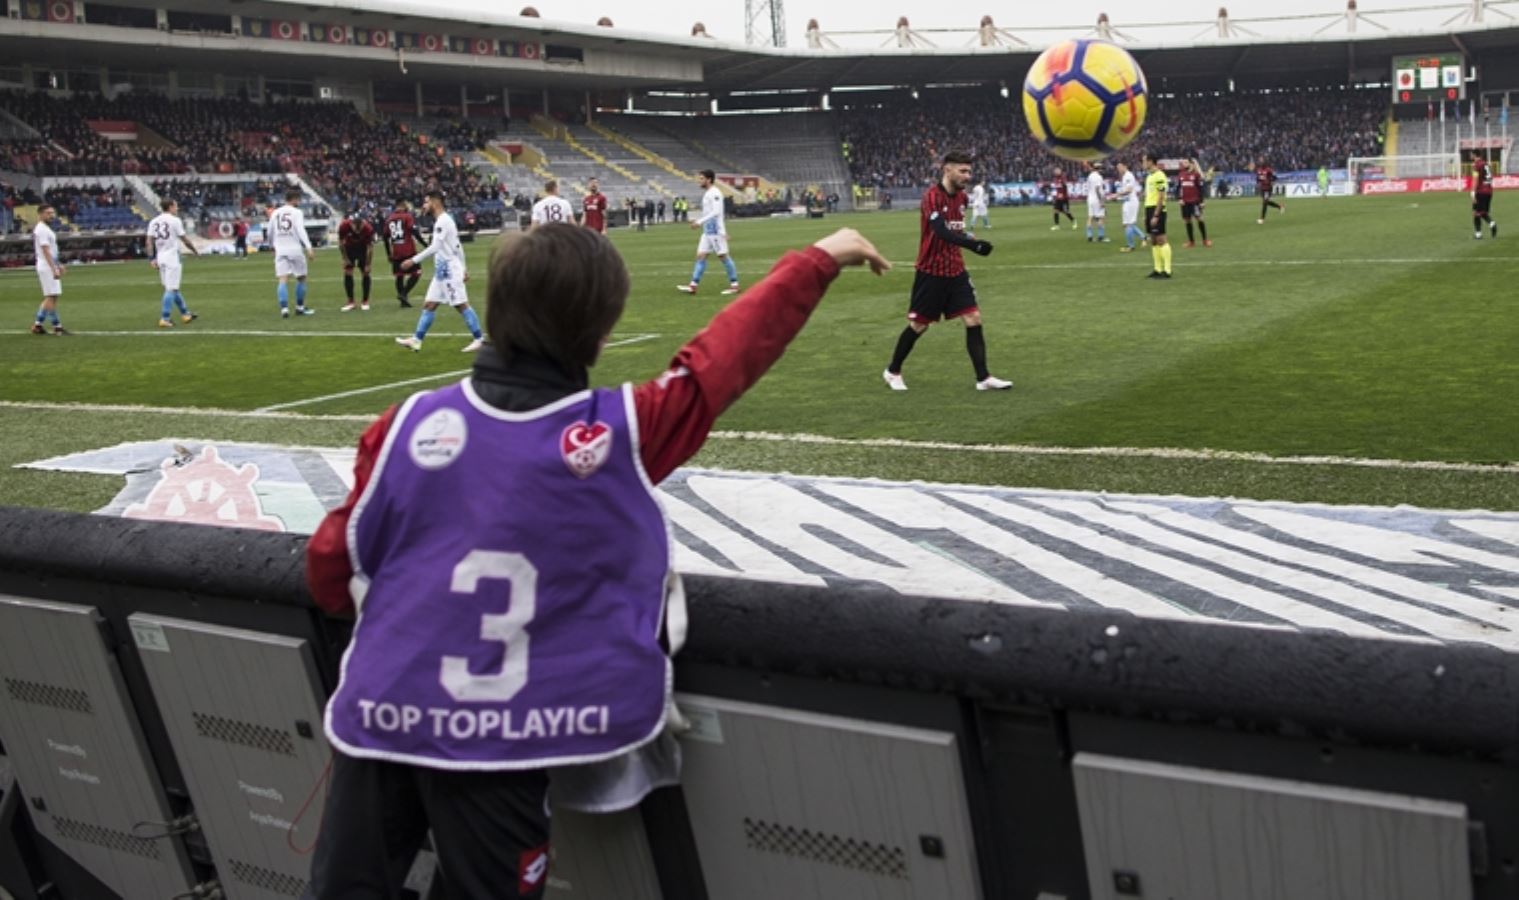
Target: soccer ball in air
{"points": [[1085, 99]]}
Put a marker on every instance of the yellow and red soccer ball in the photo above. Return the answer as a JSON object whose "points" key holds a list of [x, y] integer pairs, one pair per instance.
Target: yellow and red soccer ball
{"points": [[1085, 99]]}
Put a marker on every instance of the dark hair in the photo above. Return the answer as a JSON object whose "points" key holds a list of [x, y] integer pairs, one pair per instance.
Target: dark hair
{"points": [[435, 193], [165, 203], [555, 291], [400, 203], [42, 208], [550, 186], [958, 158], [708, 174], [1150, 157], [293, 195]]}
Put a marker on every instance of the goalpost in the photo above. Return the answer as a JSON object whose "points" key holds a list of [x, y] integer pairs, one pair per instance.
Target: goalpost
{"points": [[1361, 169]]}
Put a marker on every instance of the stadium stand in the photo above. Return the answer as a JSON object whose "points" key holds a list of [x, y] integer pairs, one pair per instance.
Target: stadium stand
{"points": [[1294, 130], [95, 207], [795, 150]]}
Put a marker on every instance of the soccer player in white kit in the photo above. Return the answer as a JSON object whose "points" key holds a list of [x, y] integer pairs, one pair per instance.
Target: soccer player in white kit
{"points": [[49, 270], [1097, 214], [165, 235], [714, 236], [978, 204], [292, 248], [449, 276], [553, 209], [1128, 193]]}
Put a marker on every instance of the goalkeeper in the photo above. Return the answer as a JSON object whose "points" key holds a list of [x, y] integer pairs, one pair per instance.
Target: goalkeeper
{"points": [[941, 288]]}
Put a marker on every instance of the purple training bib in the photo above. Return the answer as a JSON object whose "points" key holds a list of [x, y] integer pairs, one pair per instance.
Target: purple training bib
{"points": [[509, 574]]}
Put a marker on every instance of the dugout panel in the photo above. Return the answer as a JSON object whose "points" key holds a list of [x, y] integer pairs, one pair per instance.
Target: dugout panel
{"points": [[72, 735], [243, 711], [1160, 830], [601, 855], [802, 805]]}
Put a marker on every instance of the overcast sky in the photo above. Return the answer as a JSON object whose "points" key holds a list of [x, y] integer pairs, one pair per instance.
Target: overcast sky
{"points": [[725, 19]]}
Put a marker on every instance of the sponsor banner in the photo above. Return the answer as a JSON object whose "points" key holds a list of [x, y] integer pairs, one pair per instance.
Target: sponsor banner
{"points": [[426, 42], [379, 38], [1303, 189], [1388, 573], [1433, 185], [331, 33], [276, 29], [63, 11], [521, 49], [472, 46]]}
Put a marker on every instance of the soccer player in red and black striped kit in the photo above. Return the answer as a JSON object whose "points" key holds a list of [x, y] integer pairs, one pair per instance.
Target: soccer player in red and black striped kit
{"points": [[1060, 198], [356, 238], [401, 237], [941, 288], [1265, 180], [1482, 197], [594, 209], [1190, 185]]}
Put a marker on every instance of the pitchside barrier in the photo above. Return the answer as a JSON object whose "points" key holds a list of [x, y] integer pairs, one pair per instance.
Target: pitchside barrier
{"points": [[161, 690]]}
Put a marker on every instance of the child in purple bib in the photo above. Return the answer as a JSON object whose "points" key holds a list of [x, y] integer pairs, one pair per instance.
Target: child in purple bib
{"points": [[510, 570]]}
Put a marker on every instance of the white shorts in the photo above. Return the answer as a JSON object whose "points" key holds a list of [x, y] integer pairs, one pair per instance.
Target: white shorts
{"points": [[1097, 211], [447, 290], [170, 276], [977, 212], [286, 266], [51, 287], [713, 243], [1131, 214]]}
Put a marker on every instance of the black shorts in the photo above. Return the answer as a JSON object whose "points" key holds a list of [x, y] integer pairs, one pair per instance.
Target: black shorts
{"points": [[1482, 203], [355, 259], [1191, 210], [395, 265], [1062, 206], [936, 297], [1155, 223], [490, 829]]}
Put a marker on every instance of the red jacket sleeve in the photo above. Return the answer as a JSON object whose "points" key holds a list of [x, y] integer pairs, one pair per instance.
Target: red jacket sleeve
{"points": [[678, 409], [328, 568]]}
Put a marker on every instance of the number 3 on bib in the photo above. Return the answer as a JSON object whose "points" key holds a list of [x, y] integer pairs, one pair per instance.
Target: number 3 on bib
{"points": [[509, 628]]}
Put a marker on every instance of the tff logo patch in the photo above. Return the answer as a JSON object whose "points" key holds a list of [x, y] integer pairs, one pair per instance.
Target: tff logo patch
{"points": [[586, 447]]}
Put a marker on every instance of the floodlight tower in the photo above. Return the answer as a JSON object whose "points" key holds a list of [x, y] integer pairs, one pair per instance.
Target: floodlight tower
{"points": [[765, 22]]}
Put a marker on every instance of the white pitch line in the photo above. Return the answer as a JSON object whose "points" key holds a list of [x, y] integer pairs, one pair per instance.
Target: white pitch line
{"points": [[299, 334], [395, 384], [889, 443], [359, 391], [1130, 452], [208, 412], [1193, 263]]}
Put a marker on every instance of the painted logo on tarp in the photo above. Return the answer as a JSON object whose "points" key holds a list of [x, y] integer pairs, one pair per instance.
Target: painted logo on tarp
{"points": [[586, 447], [204, 490]]}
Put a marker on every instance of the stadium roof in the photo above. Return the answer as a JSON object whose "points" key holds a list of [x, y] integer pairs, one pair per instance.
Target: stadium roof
{"points": [[1254, 54]]}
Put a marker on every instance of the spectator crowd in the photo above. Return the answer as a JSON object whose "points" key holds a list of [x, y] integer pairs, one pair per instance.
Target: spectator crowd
{"points": [[899, 144], [347, 158]]}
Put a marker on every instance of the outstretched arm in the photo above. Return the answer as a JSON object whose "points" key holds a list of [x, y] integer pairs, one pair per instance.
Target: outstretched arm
{"points": [[678, 409]]}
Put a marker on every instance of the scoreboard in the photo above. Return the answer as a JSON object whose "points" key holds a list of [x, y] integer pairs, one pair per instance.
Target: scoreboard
{"points": [[1428, 77]]}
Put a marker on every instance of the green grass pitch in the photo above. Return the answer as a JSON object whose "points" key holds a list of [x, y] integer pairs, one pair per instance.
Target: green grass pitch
{"points": [[1364, 328]]}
